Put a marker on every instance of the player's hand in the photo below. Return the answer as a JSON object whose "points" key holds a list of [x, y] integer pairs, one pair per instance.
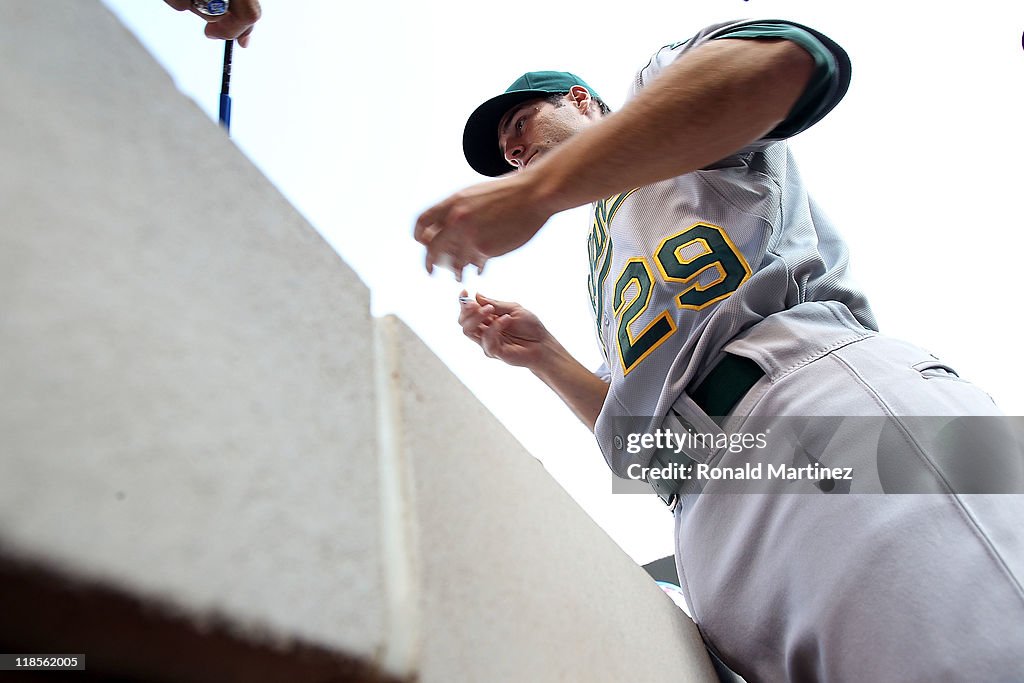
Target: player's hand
{"points": [[504, 330], [237, 24], [482, 221]]}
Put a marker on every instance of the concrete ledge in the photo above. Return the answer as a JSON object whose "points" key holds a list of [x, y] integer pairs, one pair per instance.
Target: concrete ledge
{"points": [[516, 582]]}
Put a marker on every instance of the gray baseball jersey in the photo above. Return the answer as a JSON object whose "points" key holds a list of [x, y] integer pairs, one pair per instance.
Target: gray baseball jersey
{"points": [[738, 258], [680, 267]]}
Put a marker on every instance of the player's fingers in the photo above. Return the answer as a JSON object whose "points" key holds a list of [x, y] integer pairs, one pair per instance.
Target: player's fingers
{"points": [[475, 326], [478, 262], [472, 331], [492, 339], [437, 257], [457, 268], [426, 237], [180, 5], [428, 225], [500, 307], [444, 249], [472, 308], [467, 305], [447, 256], [489, 343], [469, 314]]}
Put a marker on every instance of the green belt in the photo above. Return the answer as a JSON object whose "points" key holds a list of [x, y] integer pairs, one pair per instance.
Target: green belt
{"points": [[730, 379], [719, 392]]}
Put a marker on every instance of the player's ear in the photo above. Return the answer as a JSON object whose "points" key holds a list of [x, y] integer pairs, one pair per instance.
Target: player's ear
{"points": [[581, 98]]}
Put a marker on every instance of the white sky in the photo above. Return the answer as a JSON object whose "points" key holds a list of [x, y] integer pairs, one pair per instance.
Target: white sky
{"points": [[355, 111]]}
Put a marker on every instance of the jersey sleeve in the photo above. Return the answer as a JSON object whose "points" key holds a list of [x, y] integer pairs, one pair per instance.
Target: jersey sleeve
{"points": [[828, 84], [603, 373]]}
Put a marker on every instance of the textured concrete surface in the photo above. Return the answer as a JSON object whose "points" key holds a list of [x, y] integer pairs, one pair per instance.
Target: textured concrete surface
{"points": [[516, 582], [186, 408], [197, 410]]}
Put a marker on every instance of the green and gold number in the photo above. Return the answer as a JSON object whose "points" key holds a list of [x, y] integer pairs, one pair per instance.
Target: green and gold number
{"points": [[681, 258]]}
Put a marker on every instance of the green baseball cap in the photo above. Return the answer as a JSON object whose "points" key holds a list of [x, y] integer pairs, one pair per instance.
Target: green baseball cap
{"points": [[480, 139]]}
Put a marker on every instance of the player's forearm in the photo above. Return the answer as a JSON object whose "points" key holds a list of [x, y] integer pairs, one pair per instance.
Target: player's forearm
{"points": [[579, 388], [704, 107]]}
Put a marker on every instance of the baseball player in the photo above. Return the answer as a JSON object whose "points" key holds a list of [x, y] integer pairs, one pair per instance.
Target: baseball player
{"points": [[722, 302]]}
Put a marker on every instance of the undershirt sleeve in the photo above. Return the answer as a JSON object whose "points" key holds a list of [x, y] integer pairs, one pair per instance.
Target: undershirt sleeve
{"points": [[828, 84]]}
